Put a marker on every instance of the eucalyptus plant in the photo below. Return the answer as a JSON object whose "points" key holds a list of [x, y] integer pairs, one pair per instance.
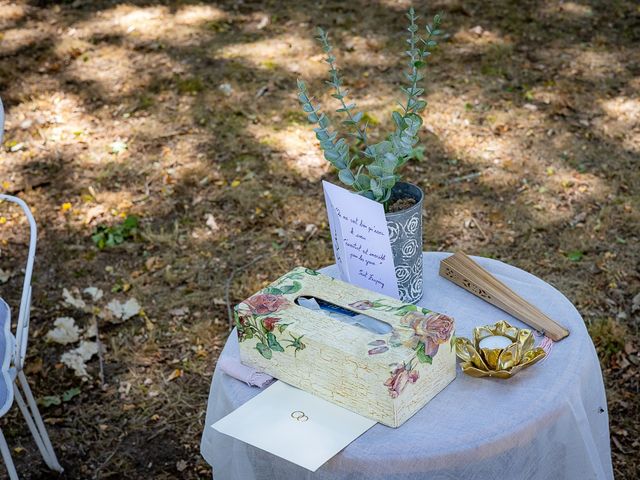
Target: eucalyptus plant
{"points": [[372, 169]]}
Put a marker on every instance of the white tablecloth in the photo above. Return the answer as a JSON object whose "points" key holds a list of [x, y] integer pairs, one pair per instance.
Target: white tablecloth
{"points": [[548, 422]]}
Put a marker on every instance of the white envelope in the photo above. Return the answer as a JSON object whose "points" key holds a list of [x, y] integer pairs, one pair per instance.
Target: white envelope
{"points": [[266, 422]]}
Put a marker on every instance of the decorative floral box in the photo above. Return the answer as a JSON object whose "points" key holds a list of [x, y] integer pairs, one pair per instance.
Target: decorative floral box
{"points": [[386, 377]]}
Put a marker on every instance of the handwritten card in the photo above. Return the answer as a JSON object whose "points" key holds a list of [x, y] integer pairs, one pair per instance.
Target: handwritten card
{"points": [[360, 240]]}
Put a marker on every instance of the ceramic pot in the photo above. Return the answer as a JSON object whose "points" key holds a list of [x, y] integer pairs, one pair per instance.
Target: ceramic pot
{"points": [[405, 233]]}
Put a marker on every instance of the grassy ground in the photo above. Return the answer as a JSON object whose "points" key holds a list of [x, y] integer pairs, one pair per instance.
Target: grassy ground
{"points": [[184, 114]]}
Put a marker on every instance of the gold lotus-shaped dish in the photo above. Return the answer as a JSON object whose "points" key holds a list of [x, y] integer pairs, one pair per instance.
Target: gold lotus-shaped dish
{"points": [[498, 362]]}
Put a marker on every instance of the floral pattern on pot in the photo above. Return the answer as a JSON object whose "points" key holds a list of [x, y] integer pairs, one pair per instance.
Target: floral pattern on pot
{"points": [[395, 229], [410, 248], [405, 235], [403, 273], [401, 375], [415, 286], [413, 225]]}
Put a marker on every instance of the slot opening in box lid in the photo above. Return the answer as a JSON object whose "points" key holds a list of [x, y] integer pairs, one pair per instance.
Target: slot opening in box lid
{"points": [[343, 314]]}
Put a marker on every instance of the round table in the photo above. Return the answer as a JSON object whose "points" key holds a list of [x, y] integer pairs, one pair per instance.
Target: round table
{"points": [[548, 422]]}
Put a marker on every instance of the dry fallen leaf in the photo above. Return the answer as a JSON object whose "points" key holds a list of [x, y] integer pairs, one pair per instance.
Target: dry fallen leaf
{"points": [[76, 359], [94, 292], [226, 89], [53, 421], [124, 311], [66, 331], [179, 312], [91, 332], [177, 373], [153, 263], [73, 301], [93, 212], [34, 366], [210, 221], [181, 465], [5, 275]]}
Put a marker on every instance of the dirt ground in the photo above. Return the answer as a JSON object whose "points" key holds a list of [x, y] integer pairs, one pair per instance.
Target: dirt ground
{"points": [[184, 114]]}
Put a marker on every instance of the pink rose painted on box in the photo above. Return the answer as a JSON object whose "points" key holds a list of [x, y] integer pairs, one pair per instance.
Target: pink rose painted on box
{"points": [[255, 317], [430, 331], [401, 376], [362, 304], [265, 303], [269, 323]]}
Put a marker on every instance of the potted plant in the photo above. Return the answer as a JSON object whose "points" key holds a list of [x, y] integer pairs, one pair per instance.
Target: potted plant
{"points": [[372, 171]]}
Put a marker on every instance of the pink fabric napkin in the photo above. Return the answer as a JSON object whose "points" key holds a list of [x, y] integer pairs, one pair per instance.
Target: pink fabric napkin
{"points": [[229, 363], [231, 366]]}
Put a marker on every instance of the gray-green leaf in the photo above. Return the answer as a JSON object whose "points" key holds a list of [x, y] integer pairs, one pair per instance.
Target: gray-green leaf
{"points": [[346, 177]]}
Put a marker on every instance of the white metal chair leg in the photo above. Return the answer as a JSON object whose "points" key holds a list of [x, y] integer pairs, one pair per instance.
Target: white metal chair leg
{"points": [[38, 419], [36, 425], [6, 456], [33, 429]]}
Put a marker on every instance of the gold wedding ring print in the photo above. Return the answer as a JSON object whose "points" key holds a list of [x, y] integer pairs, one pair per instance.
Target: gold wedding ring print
{"points": [[299, 416]]}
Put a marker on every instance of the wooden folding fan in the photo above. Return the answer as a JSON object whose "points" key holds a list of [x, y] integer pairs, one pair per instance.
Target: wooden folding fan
{"points": [[466, 273]]}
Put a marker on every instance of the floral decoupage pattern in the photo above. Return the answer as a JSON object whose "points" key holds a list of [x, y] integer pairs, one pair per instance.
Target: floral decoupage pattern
{"points": [[428, 331], [401, 376], [264, 319], [258, 317]]}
